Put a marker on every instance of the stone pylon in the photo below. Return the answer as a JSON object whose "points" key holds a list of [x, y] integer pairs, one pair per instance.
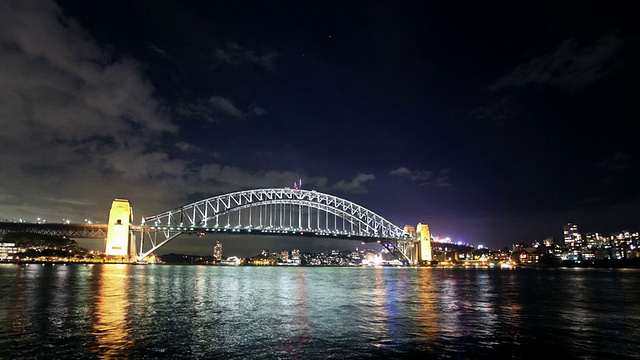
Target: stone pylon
{"points": [[120, 240]]}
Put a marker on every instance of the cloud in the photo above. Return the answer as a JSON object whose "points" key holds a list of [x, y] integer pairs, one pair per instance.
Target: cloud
{"points": [[424, 177], [497, 112], [618, 162], [355, 186], [76, 122], [225, 105], [235, 54], [256, 110], [231, 178], [69, 201], [159, 51], [188, 148], [200, 110], [216, 109], [80, 127], [569, 66]]}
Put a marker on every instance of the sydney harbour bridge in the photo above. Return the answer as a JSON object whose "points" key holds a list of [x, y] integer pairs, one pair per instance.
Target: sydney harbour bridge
{"points": [[262, 212]]}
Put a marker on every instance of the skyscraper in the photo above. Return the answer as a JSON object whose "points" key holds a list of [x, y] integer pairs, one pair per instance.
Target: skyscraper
{"points": [[572, 237]]}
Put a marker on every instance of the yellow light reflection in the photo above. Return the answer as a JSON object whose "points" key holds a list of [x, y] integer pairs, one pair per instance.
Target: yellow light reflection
{"points": [[111, 329], [429, 316], [379, 326]]}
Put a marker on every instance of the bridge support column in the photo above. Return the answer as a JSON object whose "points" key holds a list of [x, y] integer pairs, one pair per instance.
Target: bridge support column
{"points": [[424, 253], [120, 241]]}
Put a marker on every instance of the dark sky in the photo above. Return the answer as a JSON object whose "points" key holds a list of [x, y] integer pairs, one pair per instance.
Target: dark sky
{"points": [[494, 122]]}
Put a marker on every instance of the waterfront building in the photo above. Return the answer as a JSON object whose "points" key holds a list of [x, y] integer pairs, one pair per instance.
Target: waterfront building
{"points": [[625, 245], [295, 255], [284, 256], [450, 253], [9, 250]]}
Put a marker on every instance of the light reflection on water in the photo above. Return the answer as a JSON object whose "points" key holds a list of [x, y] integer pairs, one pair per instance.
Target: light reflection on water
{"points": [[163, 311], [110, 327]]}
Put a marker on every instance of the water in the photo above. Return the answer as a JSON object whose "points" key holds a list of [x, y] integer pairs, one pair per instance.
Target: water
{"points": [[210, 312]]}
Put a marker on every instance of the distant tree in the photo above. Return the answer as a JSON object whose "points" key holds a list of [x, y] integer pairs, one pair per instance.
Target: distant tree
{"points": [[549, 259], [28, 240]]}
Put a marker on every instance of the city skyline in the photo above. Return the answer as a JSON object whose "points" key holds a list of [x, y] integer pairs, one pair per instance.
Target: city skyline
{"points": [[494, 123]]}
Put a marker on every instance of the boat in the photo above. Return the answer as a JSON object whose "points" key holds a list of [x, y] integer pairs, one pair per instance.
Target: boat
{"points": [[231, 261], [289, 263]]}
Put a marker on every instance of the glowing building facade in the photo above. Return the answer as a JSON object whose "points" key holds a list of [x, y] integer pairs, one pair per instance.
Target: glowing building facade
{"points": [[572, 237]]}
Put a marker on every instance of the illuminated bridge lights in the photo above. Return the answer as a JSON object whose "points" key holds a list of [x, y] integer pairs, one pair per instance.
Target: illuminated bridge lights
{"points": [[277, 211]]}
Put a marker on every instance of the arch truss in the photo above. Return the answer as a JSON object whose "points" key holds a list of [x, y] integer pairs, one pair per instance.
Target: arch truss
{"points": [[277, 211]]}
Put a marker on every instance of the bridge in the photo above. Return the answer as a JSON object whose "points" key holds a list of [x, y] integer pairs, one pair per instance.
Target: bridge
{"points": [[69, 231], [266, 212]]}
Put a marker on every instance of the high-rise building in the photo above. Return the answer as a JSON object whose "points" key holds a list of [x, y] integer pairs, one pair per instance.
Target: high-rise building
{"points": [[595, 239], [572, 237], [217, 251]]}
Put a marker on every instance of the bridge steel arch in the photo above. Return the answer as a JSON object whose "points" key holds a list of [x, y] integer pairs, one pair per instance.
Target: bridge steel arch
{"points": [[265, 211]]}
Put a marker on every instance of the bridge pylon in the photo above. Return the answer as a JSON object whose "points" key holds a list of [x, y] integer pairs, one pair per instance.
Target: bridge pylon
{"points": [[424, 236], [120, 240], [418, 249]]}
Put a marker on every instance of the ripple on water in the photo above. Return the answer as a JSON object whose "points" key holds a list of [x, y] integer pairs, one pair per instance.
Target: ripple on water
{"points": [[315, 313]]}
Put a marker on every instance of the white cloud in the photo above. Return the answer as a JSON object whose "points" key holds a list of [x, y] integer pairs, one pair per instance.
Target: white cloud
{"points": [[257, 110], [423, 177], [235, 54], [75, 124], [355, 186], [225, 105], [78, 128], [188, 148], [231, 178], [569, 66], [216, 109]]}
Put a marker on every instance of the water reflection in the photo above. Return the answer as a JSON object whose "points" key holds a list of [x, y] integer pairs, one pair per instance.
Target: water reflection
{"points": [[110, 328], [427, 314], [295, 338], [124, 311], [376, 326]]}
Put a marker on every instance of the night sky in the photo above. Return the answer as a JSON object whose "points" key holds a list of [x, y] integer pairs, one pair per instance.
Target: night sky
{"points": [[494, 122]]}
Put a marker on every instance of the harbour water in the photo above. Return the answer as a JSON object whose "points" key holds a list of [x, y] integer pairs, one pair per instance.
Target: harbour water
{"points": [[80, 311]]}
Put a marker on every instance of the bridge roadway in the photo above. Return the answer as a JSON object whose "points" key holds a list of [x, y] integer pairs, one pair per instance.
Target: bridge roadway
{"points": [[262, 231], [69, 231], [99, 231]]}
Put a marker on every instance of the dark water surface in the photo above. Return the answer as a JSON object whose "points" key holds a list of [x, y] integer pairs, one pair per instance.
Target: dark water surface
{"points": [[206, 312]]}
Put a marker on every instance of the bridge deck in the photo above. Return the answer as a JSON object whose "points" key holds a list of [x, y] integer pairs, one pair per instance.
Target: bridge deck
{"points": [[267, 232], [70, 231]]}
